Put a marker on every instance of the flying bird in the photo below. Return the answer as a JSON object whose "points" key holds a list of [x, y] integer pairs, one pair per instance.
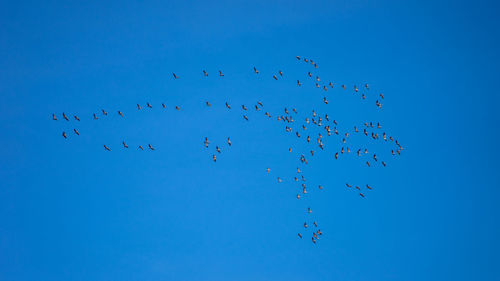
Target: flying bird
{"points": [[64, 135], [175, 76], [221, 74], [54, 117], [150, 147], [107, 148], [255, 70], [120, 113], [76, 132], [104, 112], [65, 117], [205, 73], [76, 118], [95, 117], [124, 144]]}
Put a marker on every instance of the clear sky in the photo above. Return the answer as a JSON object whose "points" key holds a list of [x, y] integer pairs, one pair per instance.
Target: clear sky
{"points": [[69, 210]]}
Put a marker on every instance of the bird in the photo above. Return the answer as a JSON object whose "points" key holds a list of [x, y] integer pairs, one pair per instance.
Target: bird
{"points": [[369, 187], [214, 158], [375, 157], [275, 78], [260, 103], [124, 144], [64, 135], [140, 147], [362, 195], [217, 148], [330, 84], [279, 179], [325, 100], [315, 224], [367, 87], [54, 117], [178, 108], [246, 118], [175, 76], [138, 107], [268, 115], [163, 105], [379, 105], [205, 73], [243, 107], [65, 117], [76, 118], [320, 187], [149, 105], [76, 132], [150, 147], [120, 113], [104, 112], [298, 83], [298, 196], [305, 225], [336, 155], [255, 70], [229, 141], [257, 107], [221, 74], [381, 96], [309, 74], [208, 103], [313, 240], [298, 57], [368, 163], [298, 170], [383, 163], [280, 73], [268, 170], [309, 210], [228, 106], [95, 117], [300, 235], [107, 148], [290, 149], [348, 185], [356, 89]]}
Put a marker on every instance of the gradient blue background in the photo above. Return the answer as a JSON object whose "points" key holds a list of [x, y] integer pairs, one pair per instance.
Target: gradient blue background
{"points": [[69, 210]]}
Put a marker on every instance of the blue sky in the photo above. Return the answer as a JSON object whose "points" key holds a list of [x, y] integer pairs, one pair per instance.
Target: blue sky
{"points": [[69, 210]]}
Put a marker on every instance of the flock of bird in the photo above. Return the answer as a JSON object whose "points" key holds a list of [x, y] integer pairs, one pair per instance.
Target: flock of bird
{"points": [[314, 129]]}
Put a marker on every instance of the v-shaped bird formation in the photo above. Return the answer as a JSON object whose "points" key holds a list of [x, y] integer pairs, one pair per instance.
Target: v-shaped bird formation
{"points": [[317, 130]]}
